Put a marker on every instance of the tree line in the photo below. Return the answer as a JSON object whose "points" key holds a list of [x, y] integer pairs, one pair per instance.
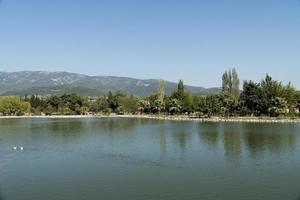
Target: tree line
{"points": [[266, 98]]}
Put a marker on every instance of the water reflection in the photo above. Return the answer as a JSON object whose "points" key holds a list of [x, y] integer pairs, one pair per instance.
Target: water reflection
{"points": [[181, 138], [108, 155], [64, 127], [73, 127], [11, 126], [253, 138], [1, 197], [208, 133], [115, 125], [209, 137], [162, 142], [232, 144], [275, 142], [236, 139]]}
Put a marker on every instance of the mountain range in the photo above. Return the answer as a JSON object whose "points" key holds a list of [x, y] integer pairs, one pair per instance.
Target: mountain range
{"points": [[50, 83]]}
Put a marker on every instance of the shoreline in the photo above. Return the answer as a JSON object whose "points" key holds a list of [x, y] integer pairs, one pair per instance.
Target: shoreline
{"points": [[166, 117]]}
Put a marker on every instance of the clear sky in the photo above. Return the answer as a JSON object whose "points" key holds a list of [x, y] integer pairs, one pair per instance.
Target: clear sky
{"points": [[193, 40]]}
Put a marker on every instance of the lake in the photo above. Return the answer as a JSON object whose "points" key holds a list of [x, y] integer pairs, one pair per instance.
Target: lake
{"points": [[143, 159]]}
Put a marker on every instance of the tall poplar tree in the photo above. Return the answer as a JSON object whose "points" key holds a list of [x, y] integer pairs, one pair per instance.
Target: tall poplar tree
{"points": [[231, 83]]}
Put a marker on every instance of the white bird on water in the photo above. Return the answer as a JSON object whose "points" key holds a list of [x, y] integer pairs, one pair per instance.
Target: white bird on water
{"points": [[16, 148]]}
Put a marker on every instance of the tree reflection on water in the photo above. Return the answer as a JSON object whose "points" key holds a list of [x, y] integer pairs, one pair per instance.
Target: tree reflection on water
{"points": [[255, 139], [1, 197]]}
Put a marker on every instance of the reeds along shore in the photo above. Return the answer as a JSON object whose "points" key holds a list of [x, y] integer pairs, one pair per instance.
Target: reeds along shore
{"points": [[167, 117]]}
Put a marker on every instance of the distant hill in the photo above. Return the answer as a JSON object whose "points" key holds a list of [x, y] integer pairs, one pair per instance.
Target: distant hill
{"points": [[46, 83]]}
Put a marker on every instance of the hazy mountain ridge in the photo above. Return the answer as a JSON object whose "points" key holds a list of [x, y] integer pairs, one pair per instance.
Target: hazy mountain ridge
{"points": [[44, 82]]}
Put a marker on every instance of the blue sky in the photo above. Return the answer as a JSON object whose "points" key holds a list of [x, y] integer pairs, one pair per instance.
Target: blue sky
{"points": [[193, 40]]}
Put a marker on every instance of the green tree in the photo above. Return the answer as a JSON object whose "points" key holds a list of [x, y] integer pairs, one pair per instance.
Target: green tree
{"points": [[252, 101], [213, 105], [199, 105], [235, 84], [229, 104], [290, 95], [226, 81], [180, 100], [100, 105], [55, 102], [157, 100], [161, 91], [180, 88], [187, 103], [270, 97], [144, 106], [297, 105], [157, 104], [73, 102], [231, 83], [271, 88], [174, 106], [13, 105], [179, 93], [275, 93], [112, 101], [127, 104], [279, 106]]}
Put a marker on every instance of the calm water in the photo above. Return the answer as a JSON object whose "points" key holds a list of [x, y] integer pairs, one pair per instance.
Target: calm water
{"points": [[132, 159]]}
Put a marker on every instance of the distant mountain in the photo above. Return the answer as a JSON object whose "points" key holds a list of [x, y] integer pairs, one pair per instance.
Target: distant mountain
{"points": [[46, 83]]}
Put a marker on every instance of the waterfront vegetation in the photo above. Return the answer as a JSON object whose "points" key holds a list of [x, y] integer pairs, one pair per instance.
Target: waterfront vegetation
{"points": [[267, 98]]}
